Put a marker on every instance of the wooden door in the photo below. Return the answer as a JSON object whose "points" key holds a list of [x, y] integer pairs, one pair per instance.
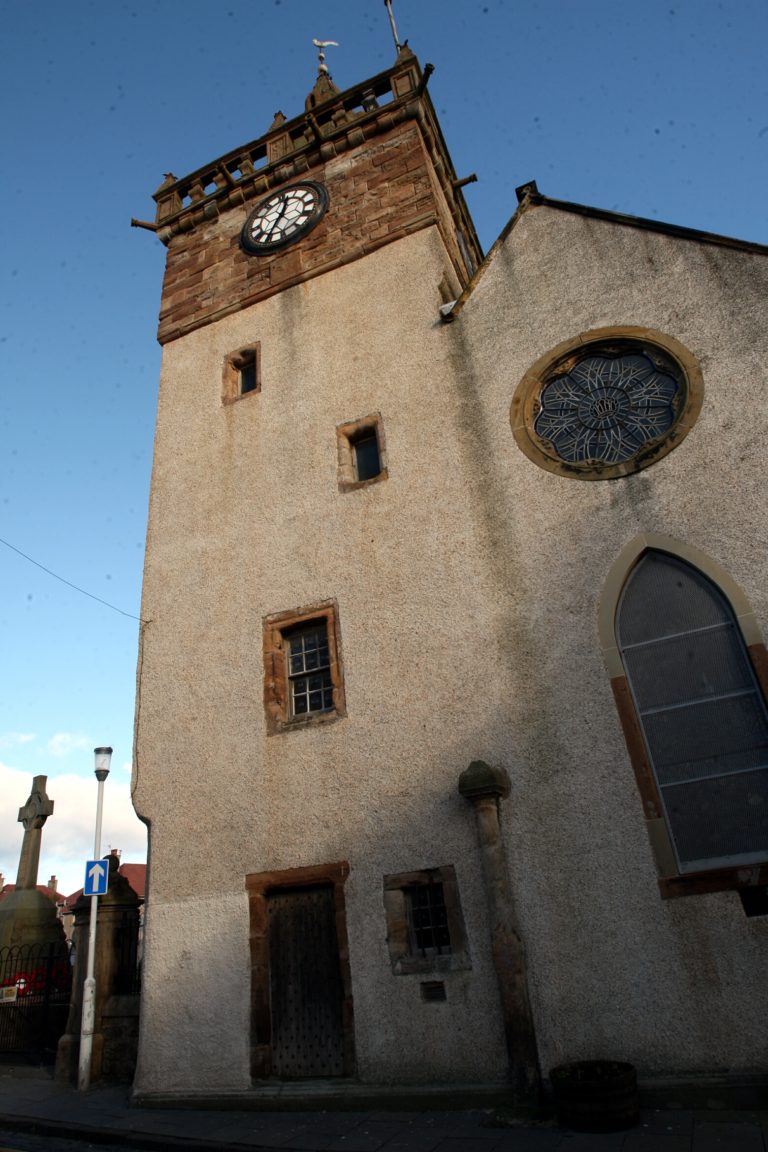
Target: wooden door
{"points": [[306, 991]]}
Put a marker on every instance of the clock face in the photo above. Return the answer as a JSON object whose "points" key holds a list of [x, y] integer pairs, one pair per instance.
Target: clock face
{"points": [[284, 217]]}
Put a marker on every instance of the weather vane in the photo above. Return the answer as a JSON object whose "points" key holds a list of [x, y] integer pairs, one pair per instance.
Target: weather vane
{"points": [[322, 67]]}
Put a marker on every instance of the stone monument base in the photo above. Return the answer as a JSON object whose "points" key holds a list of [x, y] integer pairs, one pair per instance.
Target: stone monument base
{"points": [[28, 917]]}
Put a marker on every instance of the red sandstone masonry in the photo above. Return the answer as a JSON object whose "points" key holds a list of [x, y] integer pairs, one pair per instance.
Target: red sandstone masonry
{"points": [[378, 193]]}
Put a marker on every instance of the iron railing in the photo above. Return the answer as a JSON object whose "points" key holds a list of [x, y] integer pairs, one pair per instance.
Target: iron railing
{"points": [[35, 988]]}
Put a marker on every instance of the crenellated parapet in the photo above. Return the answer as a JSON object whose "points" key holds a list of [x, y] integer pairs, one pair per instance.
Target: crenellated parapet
{"points": [[327, 128], [377, 149]]}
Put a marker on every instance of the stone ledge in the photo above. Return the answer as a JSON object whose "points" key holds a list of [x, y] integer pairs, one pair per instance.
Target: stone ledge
{"points": [[341, 1095]]}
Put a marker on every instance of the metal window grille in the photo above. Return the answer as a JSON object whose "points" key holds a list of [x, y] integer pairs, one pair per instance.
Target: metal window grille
{"points": [[428, 919], [702, 712], [309, 671]]}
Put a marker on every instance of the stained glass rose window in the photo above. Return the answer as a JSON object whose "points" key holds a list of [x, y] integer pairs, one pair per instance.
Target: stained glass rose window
{"points": [[605, 408]]}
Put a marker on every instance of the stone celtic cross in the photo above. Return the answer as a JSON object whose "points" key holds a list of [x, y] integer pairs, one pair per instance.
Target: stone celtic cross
{"points": [[33, 816]]}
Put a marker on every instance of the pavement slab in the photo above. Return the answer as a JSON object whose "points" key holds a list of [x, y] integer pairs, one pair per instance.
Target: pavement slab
{"points": [[724, 1136], [656, 1142], [414, 1140], [592, 1142], [103, 1115], [531, 1140], [667, 1123]]}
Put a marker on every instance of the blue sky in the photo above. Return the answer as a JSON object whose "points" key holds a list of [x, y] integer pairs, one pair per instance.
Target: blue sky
{"points": [[657, 108]]}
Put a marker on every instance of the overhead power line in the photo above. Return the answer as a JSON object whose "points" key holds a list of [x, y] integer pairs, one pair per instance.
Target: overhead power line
{"points": [[69, 583]]}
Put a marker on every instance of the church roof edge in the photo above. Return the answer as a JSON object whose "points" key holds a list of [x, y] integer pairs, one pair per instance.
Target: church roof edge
{"points": [[528, 196], [536, 198]]}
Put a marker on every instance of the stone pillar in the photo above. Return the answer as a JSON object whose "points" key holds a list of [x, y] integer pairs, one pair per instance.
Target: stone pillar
{"points": [[117, 933], [484, 787]]}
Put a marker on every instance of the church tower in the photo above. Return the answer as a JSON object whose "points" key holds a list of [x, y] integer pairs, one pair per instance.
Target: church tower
{"points": [[305, 632]]}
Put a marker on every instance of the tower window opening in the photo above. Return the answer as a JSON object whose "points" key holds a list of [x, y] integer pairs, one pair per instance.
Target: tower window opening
{"points": [[249, 381], [242, 373], [361, 452], [365, 450]]}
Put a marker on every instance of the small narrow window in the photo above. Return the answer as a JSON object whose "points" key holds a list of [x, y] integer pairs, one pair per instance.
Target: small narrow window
{"points": [[242, 373], [367, 460], [249, 380], [362, 456]]}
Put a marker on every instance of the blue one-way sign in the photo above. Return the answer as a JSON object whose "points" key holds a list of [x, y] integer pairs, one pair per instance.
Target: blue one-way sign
{"points": [[96, 877]]}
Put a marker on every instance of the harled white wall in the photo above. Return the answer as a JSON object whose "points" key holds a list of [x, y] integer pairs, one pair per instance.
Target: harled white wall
{"points": [[467, 586]]}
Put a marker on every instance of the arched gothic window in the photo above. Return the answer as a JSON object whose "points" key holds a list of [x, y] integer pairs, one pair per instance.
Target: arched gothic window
{"points": [[701, 711]]}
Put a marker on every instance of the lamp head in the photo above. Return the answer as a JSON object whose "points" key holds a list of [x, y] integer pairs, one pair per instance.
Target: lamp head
{"points": [[103, 758]]}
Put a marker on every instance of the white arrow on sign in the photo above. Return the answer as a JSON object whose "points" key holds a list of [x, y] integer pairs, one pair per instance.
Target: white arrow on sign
{"points": [[96, 878]]}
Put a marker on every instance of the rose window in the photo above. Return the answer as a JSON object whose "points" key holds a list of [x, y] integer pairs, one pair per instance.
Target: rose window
{"points": [[606, 408], [607, 403]]}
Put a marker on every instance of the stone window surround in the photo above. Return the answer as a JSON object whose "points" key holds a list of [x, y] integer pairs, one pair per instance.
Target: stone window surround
{"points": [[233, 365], [277, 706], [403, 960], [671, 882], [258, 886], [524, 408], [346, 435]]}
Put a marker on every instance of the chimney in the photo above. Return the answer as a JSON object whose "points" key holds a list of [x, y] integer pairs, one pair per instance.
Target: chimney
{"points": [[53, 884]]}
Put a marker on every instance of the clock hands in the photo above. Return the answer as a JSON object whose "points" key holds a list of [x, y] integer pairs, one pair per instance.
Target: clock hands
{"points": [[284, 217], [262, 229], [280, 217]]}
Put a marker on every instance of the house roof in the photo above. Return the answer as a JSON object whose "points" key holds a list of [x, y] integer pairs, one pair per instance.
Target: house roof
{"points": [[51, 893], [135, 874]]}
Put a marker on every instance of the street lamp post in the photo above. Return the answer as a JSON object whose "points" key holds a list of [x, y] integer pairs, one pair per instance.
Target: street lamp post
{"points": [[103, 757]]}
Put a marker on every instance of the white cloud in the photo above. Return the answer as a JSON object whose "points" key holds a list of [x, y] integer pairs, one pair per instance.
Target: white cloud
{"points": [[65, 742], [14, 739], [14, 789], [68, 834]]}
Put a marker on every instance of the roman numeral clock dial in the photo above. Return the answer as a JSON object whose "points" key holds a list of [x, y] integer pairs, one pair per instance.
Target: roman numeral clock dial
{"points": [[284, 217]]}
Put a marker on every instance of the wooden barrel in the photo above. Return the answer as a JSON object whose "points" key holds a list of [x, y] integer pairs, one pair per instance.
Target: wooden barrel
{"points": [[596, 1095]]}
